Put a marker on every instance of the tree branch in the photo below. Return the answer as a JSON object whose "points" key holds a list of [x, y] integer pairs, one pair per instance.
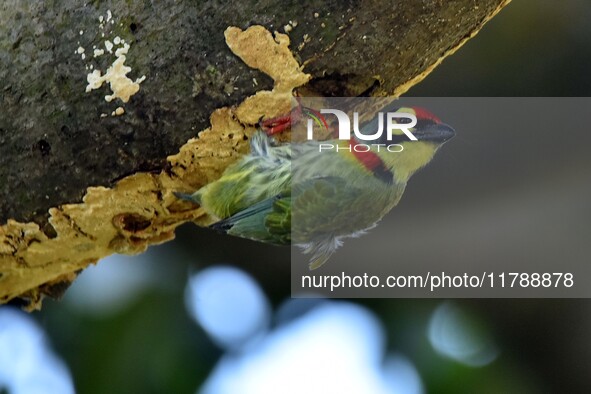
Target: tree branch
{"points": [[58, 142]]}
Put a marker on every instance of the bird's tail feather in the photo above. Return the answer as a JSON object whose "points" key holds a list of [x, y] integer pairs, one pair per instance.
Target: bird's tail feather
{"points": [[188, 197], [321, 250]]}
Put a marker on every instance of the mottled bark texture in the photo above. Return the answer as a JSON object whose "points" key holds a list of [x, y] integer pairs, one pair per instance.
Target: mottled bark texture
{"points": [[54, 143]]}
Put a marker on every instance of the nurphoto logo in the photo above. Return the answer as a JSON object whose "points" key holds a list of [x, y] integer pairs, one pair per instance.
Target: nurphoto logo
{"points": [[400, 121]]}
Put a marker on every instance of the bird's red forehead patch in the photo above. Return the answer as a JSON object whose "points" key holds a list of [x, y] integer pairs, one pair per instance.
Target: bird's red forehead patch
{"points": [[422, 113]]}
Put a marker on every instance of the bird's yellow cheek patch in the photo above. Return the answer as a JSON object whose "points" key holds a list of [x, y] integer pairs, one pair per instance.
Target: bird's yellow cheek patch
{"points": [[415, 155]]}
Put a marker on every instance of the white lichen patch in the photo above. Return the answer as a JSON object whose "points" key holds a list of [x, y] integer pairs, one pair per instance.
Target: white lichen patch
{"points": [[289, 27], [118, 112], [122, 51], [305, 39], [109, 46], [80, 51], [121, 85]]}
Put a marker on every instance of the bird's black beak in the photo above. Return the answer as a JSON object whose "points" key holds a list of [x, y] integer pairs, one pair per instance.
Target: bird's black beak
{"points": [[437, 132]]}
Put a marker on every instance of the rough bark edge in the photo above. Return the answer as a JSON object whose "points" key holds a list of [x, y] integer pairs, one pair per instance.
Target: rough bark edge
{"points": [[400, 90]]}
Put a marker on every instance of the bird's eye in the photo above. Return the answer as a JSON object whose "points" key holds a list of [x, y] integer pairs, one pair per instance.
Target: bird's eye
{"points": [[403, 120]]}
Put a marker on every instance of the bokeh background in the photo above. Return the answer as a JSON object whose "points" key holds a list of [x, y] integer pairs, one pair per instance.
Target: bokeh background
{"points": [[212, 314]]}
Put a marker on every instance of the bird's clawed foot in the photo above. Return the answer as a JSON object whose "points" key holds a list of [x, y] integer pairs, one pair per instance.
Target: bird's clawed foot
{"points": [[281, 123]]}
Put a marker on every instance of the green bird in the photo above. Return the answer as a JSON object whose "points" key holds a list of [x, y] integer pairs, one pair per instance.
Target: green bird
{"points": [[294, 193]]}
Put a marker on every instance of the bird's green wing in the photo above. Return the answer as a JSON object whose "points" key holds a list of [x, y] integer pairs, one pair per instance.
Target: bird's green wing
{"points": [[268, 221], [324, 210], [326, 206], [314, 214]]}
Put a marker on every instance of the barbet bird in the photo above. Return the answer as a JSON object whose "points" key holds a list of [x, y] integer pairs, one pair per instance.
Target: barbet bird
{"points": [[292, 193]]}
